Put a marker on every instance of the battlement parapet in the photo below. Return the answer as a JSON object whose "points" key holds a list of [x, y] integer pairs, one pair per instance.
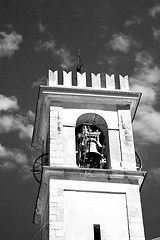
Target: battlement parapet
{"points": [[100, 80]]}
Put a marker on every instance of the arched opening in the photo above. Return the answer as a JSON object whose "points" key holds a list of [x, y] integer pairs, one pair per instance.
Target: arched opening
{"points": [[92, 141]]}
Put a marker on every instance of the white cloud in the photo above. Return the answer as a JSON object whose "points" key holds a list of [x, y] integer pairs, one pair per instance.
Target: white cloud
{"points": [[10, 158], [156, 33], [46, 46], [147, 125], [146, 70], [8, 103], [148, 92], [22, 124], [143, 59], [121, 42], [133, 21], [9, 43], [153, 12], [66, 58], [146, 80], [11, 120], [62, 54]]}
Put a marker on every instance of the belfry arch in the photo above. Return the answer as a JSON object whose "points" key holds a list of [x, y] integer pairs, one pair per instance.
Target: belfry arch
{"points": [[92, 148]]}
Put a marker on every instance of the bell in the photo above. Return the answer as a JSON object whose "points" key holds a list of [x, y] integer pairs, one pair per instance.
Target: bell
{"points": [[93, 157]]}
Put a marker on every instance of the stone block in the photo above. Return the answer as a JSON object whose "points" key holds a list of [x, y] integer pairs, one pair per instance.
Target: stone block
{"points": [[60, 192], [53, 217], [136, 230], [57, 199], [135, 219], [59, 238], [58, 225], [53, 193], [52, 232], [134, 213], [60, 233]]}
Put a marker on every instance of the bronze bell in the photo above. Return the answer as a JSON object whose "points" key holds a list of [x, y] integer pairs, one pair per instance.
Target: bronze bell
{"points": [[93, 156]]}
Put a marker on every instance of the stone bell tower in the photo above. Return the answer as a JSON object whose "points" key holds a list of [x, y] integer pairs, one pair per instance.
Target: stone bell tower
{"points": [[90, 176]]}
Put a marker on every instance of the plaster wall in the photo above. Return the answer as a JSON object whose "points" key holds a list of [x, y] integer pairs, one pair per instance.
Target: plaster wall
{"points": [[105, 209], [70, 116], [74, 206]]}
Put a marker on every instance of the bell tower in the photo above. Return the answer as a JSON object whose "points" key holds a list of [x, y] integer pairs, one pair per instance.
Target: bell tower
{"points": [[89, 174]]}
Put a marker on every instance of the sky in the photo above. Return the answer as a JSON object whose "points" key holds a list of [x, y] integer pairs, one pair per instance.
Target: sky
{"points": [[115, 37]]}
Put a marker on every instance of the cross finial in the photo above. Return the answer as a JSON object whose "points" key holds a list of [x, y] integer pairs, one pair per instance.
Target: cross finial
{"points": [[79, 62]]}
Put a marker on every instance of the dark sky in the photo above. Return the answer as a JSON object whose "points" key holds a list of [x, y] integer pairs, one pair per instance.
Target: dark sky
{"points": [[120, 37]]}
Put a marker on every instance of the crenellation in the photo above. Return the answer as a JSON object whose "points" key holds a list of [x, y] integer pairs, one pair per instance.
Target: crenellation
{"points": [[81, 80], [110, 82], [52, 78], [124, 84], [96, 80], [100, 80], [67, 79]]}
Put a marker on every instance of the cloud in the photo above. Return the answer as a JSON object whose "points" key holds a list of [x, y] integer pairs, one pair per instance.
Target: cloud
{"points": [[25, 172], [11, 158], [22, 124], [146, 79], [153, 12], [146, 125], [66, 58], [13, 119], [133, 21], [46, 46], [9, 43], [121, 42], [8, 103], [40, 81], [10, 120], [156, 33], [62, 54], [42, 27]]}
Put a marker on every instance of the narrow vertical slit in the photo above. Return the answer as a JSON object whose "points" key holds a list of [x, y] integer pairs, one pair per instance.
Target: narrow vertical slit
{"points": [[97, 232]]}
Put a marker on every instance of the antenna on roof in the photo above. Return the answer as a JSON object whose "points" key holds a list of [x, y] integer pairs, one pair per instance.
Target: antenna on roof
{"points": [[79, 62]]}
